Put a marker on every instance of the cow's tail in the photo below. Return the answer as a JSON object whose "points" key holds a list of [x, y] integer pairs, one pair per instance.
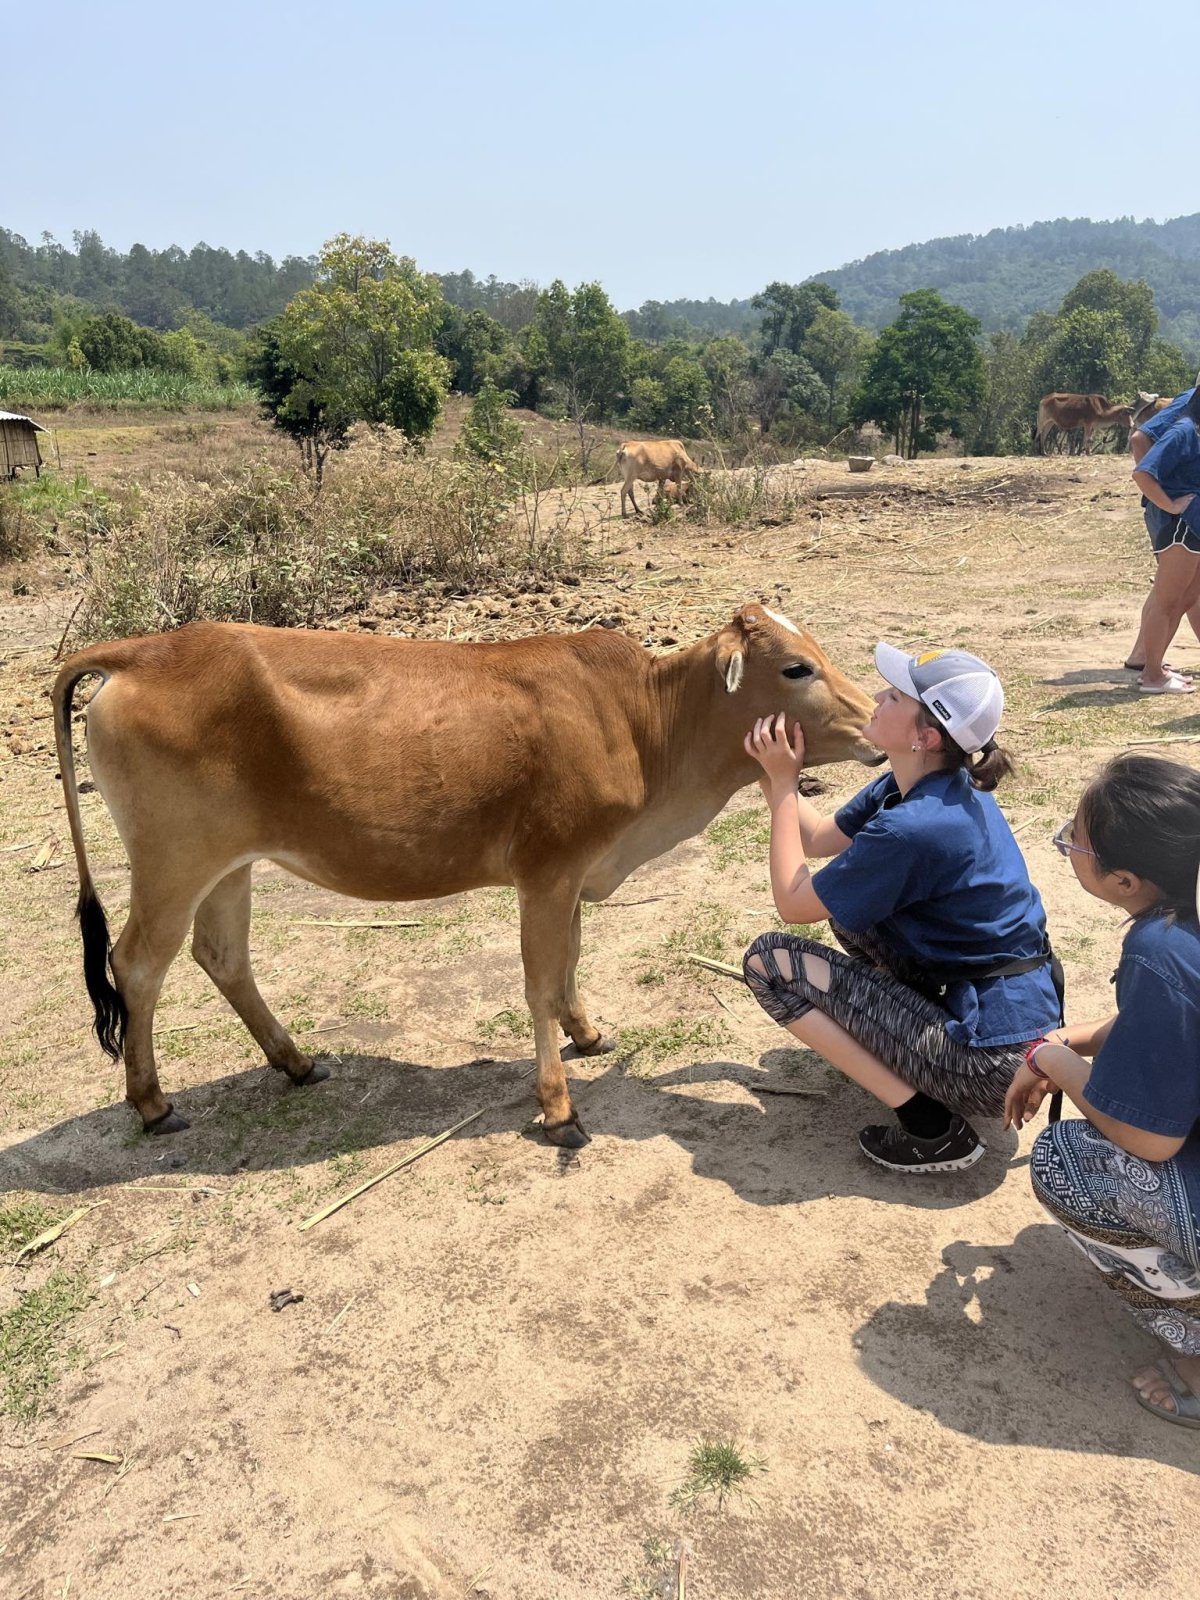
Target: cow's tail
{"points": [[1041, 429], [112, 1017]]}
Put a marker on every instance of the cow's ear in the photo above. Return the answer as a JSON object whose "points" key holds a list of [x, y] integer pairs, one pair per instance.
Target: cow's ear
{"points": [[731, 656]]}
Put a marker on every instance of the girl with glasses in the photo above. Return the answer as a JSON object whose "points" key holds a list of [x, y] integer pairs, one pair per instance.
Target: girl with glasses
{"points": [[1125, 1182]]}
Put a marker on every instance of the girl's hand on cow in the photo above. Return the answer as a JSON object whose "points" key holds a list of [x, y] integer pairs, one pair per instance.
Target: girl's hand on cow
{"points": [[1024, 1098], [782, 762]]}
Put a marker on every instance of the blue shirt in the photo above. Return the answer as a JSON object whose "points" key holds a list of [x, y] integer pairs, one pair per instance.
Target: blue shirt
{"points": [[938, 877], [1154, 427], [1147, 1072], [1174, 460]]}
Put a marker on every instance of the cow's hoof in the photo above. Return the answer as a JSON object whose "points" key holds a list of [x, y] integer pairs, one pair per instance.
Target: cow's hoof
{"points": [[601, 1047], [568, 1134], [169, 1122], [317, 1073]]}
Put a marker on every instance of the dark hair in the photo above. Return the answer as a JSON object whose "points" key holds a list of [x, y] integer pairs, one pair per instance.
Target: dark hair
{"points": [[1142, 815], [984, 770], [1192, 409]]}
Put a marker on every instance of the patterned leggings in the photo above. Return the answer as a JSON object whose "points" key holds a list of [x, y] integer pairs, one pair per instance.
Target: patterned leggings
{"points": [[1132, 1219], [898, 1025]]}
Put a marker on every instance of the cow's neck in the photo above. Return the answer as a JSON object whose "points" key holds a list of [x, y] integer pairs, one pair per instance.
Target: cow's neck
{"points": [[697, 747]]}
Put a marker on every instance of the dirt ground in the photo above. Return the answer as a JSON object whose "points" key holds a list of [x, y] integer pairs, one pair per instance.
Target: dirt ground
{"points": [[505, 1354]]}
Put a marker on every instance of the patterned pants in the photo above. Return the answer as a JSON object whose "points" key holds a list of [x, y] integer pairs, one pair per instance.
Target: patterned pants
{"points": [[1132, 1219], [869, 997]]}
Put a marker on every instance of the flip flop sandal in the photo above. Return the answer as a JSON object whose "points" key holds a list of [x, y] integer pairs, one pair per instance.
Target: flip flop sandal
{"points": [[1174, 685], [1187, 1403]]}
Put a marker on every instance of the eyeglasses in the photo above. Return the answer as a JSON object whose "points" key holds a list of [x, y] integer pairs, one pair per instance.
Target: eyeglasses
{"points": [[1064, 843]]}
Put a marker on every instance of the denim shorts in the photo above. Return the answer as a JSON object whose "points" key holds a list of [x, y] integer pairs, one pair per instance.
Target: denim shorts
{"points": [[1166, 530]]}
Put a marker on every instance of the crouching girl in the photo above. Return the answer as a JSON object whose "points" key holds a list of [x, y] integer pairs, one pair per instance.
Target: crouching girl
{"points": [[1125, 1182], [946, 974]]}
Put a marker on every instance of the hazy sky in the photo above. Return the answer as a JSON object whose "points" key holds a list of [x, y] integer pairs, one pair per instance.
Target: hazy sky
{"points": [[667, 150]]}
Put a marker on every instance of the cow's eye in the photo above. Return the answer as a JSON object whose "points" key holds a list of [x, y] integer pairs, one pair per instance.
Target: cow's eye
{"points": [[798, 669]]}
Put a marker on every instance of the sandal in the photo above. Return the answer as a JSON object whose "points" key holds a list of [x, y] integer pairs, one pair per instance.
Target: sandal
{"points": [[1141, 667], [1174, 685], [1186, 1411]]}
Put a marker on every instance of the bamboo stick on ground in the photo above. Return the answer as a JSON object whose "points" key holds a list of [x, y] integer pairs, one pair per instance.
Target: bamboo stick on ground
{"points": [[405, 1161]]}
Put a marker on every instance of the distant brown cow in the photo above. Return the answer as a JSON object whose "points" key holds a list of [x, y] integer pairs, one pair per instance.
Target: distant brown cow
{"points": [[403, 769], [651, 461], [1085, 412]]}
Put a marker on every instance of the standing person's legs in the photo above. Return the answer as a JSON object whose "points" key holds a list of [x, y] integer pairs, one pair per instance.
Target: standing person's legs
{"points": [[1173, 589], [1162, 527], [1135, 1222]]}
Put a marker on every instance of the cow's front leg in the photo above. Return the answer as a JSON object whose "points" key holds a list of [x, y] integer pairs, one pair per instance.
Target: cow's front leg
{"points": [[547, 912], [588, 1040]]}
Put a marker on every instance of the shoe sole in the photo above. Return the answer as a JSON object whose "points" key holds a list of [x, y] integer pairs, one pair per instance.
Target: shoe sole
{"points": [[928, 1166]]}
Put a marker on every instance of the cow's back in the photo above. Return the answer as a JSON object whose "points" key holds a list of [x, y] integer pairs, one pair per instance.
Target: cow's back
{"points": [[339, 754]]}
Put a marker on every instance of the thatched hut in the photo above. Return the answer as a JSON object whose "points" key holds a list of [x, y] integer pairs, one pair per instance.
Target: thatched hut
{"points": [[19, 444]]}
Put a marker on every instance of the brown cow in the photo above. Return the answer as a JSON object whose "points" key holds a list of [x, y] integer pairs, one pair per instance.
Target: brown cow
{"points": [[395, 769], [1087, 412], [651, 461]]}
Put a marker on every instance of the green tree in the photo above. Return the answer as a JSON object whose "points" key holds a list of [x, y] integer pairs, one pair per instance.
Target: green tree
{"points": [[361, 341], [289, 400], [1001, 424], [726, 363], [489, 433], [925, 375], [785, 385], [112, 343], [836, 348], [789, 310], [1089, 352], [474, 344], [1164, 369], [581, 343], [1131, 303]]}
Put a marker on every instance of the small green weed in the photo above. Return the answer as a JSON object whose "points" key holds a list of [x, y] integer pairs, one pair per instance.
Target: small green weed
{"points": [[716, 1466], [21, 1222], [34, 1343], [651, 978], [739, 839], [505, 1024], [642, 1049], [654, 1580]]}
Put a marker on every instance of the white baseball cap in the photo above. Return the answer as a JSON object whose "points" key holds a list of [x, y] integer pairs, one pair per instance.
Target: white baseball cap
{"points": [[959, 690]]}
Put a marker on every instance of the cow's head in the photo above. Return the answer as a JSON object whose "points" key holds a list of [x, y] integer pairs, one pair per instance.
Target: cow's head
{"points": [[770, 664], [1143, 407]]}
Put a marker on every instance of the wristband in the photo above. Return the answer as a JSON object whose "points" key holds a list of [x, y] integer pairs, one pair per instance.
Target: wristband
{"points": [[1031, 1063]]}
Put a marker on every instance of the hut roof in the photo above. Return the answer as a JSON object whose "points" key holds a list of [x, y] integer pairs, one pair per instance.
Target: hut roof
{"points": [[15, 416]]}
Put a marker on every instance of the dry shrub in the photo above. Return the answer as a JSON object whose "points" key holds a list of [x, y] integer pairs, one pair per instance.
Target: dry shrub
{"points": [[743, 496], [265, 545]]}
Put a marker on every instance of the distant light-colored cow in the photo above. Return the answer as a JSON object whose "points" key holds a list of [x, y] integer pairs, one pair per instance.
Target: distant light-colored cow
{"points": [[1149, 405], [402, 769], [1086, 412], [651, 461]]}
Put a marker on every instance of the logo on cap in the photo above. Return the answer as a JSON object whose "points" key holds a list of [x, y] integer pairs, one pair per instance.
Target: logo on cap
{"points": [[930, 655]]}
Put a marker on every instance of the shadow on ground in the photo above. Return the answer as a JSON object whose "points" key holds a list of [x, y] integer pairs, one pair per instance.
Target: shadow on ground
{"points": [[773, 1150], [1020, 1343]]}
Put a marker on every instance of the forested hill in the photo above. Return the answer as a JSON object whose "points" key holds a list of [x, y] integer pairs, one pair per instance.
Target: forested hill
{"points": [[1005, 275]]}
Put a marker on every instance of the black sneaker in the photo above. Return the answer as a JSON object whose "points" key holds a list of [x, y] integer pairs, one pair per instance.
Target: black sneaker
{"points": [[959, 1146]]}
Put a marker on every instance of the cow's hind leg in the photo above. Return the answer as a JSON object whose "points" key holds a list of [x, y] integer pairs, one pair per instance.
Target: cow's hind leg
{"points": [[546, 918], [149, 942], [221, 945], [586, 1038]]}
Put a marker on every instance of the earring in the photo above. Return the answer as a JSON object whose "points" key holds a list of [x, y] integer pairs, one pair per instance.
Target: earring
{"points": [[914, 747]]}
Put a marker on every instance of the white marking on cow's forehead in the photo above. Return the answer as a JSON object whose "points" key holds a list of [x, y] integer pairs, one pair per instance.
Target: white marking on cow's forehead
{"points": [[783, 622]]}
